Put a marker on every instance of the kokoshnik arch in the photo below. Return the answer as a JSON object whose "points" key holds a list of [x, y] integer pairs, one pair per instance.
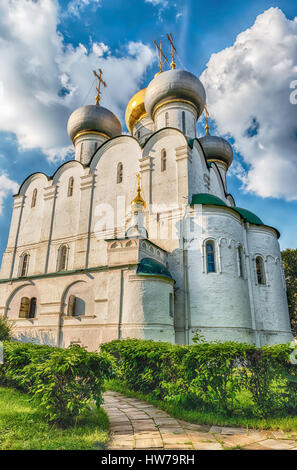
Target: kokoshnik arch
{"points": [[62, 281]]}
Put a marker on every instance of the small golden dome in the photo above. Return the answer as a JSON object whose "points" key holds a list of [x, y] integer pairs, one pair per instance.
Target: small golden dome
{"points": [[135, 109], [138, 200]]}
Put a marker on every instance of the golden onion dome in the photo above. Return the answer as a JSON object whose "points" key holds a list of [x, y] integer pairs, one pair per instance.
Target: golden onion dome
{"points": [[135, 109]]}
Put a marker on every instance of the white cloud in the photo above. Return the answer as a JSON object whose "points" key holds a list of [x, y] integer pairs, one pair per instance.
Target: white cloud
{"points": [[248, 91], [75, 7], [7, 187], [162, 3], [44, 80], [100, 49]]}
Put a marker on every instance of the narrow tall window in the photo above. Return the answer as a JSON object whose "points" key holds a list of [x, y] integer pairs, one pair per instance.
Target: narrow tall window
{"points": [[163, 160], [70, 186], [34, 197], [71, 305], [24, 307], [62, 260], [24, 262], [260, 270], [210, 257], [32, 309], [120, 173], [240, 261], [166, 119], [171, 306], [183, 122]]}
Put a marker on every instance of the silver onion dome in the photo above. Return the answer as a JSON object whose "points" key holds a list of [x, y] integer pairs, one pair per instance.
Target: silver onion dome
{"points": [[93, 118], [217, 148], [174, 85]]}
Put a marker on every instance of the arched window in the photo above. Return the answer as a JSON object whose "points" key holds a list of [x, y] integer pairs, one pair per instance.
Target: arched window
{"points": [[183, 122], [34, 197], [120, 173], [240, 261], [210, 257], [70, 186], [24, 263], [62, 258], [24, 307], [163, 160], [166, 119], [260, 270], [32, 309]]}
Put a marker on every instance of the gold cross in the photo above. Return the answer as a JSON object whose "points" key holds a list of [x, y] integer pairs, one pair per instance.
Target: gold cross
{"points": [[206, 120], [162, 55], [173, 50], [99, 76]]}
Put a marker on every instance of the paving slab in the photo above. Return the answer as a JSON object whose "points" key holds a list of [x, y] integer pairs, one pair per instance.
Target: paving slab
{"points": [[136, 424]]}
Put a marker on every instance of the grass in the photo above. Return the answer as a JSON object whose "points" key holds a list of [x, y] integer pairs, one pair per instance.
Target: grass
{"points": [[209, 417], [23, 427]]}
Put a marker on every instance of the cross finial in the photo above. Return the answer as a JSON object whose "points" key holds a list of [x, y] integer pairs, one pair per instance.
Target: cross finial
{"points": [[99, 76], [206, 120], [173, 51], [161, 56], [138, 200]]}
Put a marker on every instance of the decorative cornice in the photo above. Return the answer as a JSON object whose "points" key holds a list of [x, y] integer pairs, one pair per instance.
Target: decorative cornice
{"points": [[158, 106], [82, 133]]}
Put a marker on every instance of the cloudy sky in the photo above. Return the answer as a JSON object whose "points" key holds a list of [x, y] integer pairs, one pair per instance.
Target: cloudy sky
{"points": [[244, 52]]}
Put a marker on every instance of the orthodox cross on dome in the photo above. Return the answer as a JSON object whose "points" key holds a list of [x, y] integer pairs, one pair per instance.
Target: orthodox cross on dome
{"points": [[161, 56], [99, 76], [138, 200], [173, 51], [206, 120]]}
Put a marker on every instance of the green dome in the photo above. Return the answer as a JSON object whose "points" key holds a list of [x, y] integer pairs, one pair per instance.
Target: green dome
{"points": [[149, 266], [205, 198], [249, 216]]}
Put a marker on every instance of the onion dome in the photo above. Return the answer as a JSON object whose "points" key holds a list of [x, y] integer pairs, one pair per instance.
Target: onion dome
{"points": [[217, 148], [93, 119], [174, 85], [135, 109]]}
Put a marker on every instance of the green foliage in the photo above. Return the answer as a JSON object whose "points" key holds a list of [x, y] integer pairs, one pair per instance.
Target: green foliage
{"points": [[5, 329], [23, 426], [289, 258], [66, 381], [209, 375]]}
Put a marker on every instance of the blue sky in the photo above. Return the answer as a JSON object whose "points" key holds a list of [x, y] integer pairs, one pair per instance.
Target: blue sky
{"points": [[49, 73]]}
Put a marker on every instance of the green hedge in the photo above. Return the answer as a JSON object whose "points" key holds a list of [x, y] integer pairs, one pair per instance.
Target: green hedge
{"points": [[66, 381], [210, 375]]}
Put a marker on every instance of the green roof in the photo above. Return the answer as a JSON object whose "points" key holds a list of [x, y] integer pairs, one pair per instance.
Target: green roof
{"points": [[207, 199], [249, 216], [149, 266]]}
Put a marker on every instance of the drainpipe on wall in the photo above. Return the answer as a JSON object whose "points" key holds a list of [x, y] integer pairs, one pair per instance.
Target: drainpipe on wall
{"points": [[249, 279], [185, 268]]}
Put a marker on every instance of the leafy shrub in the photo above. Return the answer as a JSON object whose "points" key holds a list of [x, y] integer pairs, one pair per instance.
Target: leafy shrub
{"points": [[66, 381], [209, 374], [5, 329]]}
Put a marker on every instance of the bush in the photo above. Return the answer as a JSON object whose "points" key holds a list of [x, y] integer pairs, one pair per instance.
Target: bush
{"points": [[209, 375], [5, 329], [66, 381]]}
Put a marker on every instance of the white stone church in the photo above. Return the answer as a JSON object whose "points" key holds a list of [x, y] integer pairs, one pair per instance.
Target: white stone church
{"points": [[138, 236]]}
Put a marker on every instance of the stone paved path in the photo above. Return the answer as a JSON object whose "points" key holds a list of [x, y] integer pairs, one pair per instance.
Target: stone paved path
{"points": [[136, 424]]}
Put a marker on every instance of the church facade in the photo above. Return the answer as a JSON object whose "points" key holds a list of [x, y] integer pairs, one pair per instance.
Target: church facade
{"points": [[138, 236]]}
